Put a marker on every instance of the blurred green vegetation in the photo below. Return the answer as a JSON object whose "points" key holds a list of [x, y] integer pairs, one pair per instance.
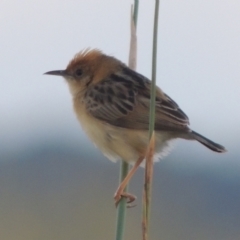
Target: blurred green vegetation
{"points": [[51, 191]]}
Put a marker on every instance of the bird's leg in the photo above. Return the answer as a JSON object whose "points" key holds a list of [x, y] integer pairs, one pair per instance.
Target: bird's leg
{"points": [[119, 193]]}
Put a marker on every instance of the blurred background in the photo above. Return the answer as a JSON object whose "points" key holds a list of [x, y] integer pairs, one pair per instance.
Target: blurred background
{"points": [[54, 184]]}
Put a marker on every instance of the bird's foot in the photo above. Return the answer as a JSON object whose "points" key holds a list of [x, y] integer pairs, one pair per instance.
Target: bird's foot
{"points": [[130, 198]]}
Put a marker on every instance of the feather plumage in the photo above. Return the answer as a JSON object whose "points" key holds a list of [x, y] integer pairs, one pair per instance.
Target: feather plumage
{"points": [[123, 100], [112, 104]]}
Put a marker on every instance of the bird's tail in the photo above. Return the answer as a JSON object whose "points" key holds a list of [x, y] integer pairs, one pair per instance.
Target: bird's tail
{"points": [[208, 143]]}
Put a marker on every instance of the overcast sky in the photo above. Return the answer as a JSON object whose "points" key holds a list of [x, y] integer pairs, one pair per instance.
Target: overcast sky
{"points": [[198, 61]]}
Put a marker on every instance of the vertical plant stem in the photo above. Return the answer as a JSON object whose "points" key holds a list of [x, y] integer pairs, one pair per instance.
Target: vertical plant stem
{"points": [[150, 152], [121, 211], [154, 71], [135, 12]]}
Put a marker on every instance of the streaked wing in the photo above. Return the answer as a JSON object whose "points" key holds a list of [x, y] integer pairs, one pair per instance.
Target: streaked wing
{"points": [[123, 100]]}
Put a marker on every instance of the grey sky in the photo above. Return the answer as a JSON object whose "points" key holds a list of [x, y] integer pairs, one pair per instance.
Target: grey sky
{"points": [[198, 61]]}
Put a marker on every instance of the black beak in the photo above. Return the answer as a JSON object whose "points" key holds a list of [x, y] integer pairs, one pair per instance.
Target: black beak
{"points": [[62, 73]]}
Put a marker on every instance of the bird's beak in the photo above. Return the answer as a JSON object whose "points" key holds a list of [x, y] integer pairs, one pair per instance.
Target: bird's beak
{"points": [[62, 73]]}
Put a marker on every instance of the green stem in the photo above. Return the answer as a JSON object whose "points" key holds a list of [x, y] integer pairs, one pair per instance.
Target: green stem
{"points": [[154, 70], [149, 166], [121, 211], [135, 12]]}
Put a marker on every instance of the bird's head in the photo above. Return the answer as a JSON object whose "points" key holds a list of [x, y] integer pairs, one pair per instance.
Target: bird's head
{"points": [[87, 68]]}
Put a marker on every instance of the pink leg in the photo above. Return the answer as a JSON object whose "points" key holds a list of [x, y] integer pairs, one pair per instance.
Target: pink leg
{"points": [[119, 193]]}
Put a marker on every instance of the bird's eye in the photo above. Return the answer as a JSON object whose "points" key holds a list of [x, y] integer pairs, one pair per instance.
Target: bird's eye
{"points": [[78, 72]]}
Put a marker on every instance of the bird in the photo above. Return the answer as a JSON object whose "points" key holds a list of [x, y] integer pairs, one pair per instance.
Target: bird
{"points": [[112, 103]]}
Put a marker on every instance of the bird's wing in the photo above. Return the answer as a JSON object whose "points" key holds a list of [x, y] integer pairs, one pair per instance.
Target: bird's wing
{"points": [[123, 100]]}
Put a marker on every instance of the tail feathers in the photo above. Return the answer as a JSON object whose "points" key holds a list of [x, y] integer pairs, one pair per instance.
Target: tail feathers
{"points": [[208, 143]]}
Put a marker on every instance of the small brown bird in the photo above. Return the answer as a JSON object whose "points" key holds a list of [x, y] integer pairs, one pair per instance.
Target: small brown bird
{"points": [[112, 104]]}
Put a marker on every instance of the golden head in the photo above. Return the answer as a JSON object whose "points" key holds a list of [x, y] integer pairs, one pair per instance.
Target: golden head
{"points": [[86, 68]]}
